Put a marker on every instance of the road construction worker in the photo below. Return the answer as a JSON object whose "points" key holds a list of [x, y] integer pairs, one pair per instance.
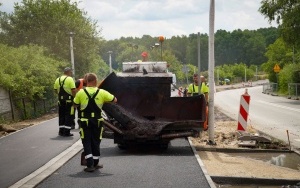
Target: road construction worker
{"points": [[80, 84], [193, 88], [204, 89], [90, 100], [64, 86], [180, 92]]}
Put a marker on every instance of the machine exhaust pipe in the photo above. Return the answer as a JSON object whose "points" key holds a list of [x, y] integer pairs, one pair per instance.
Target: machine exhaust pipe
{"points": [[112, 127], [177, 135]]}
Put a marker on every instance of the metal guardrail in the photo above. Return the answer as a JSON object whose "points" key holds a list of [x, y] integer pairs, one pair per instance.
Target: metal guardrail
{"points": [[270, 88], [294, 91]]}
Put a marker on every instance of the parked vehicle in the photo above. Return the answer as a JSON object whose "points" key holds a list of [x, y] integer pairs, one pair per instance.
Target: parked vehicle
{"points": [[146, 112], [173, 85]]}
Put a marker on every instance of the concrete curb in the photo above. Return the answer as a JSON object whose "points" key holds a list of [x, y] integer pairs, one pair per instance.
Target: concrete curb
{"points": [[237, 150], [201, 164], [251, 181], [49, 168]]}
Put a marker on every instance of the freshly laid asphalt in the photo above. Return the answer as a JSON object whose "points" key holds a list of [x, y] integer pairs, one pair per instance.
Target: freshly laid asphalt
{"points": [[137, 167], [25, 151]]}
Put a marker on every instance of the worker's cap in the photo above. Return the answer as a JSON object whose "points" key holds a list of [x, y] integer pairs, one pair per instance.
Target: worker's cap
{"points": [[67, 69]]}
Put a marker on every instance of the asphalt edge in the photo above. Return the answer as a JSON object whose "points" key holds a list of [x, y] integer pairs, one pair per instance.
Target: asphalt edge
{"points": [[26, 128], [49, 168], [202, 166], [239, 181]]}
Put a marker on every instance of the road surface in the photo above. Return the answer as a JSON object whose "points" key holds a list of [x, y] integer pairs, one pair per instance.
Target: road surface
{"points": [[25, 151], [135, 168], [270, 114]]}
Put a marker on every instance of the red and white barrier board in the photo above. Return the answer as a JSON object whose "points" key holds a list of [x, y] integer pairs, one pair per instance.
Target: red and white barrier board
{"points": [[244, 111]]}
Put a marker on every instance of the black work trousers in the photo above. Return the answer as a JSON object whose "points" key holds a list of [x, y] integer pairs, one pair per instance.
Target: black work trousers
{"points": [[65, 116], [91, 135]]}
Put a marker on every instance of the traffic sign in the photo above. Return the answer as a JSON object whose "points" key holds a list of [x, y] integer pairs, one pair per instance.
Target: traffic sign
{"points": [[276, 68], [185, 69]]}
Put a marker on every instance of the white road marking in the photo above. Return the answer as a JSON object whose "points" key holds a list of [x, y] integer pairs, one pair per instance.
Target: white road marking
{"points": [[280, 106]]}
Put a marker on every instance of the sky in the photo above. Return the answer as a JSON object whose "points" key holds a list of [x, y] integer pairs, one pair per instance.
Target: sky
{"points": [[135, 18]]}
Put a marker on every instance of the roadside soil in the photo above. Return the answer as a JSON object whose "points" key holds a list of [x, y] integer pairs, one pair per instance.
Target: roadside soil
{"points": [[223, 164]]}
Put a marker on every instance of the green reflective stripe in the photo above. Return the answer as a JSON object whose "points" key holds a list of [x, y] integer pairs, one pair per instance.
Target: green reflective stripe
{"points": [[92, 114], [84, 119], [82, 114], [82, 133], [68, 100], [101, 133], [72, 111], [61, 97]]}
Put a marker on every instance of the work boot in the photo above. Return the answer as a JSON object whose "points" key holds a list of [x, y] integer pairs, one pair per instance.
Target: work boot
{"points": [[61, 132], [83, 160], [68, 134], [89, 169], [98, 166]]}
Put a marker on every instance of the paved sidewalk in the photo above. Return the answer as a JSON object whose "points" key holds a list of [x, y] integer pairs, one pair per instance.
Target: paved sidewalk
{"points": [[24, 151]]}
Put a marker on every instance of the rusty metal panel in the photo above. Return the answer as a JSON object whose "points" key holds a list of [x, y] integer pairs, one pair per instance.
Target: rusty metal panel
{"points": [[149, 97]]}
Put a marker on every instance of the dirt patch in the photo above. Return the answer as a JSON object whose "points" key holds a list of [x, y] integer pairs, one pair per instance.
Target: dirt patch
{"points": [[222, 164], [6, 129], [226, 135]]}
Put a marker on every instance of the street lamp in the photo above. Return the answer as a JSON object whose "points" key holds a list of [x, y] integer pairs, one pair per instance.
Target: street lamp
{"points": [[135, 46], [154, 46], [110, 69], [161, 40], [186, 70], [72, 52]]}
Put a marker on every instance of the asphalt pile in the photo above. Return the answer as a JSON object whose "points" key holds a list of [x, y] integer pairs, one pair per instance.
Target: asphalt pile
{"points": [[132, 124]]}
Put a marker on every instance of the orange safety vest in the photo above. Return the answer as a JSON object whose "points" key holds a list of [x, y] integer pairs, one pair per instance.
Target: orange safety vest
{"points": [[205, 124]]}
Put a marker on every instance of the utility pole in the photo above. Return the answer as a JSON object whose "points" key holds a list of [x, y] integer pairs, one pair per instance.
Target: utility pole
{"points": [[293, 54], [218, 77], [211, 58], [199, 81], [72, 53], [245, 74], [110, 69], [256, 72], [161, 40]]}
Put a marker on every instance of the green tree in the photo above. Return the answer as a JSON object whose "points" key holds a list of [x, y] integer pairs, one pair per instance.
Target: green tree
{"points": [[48, 23], [286, 13], [277, 53], [289, 74], [27, 71], [192, 51]]}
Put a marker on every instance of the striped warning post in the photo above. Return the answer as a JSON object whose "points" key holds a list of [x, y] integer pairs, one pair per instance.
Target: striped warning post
{"points": [[244, 110]]}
